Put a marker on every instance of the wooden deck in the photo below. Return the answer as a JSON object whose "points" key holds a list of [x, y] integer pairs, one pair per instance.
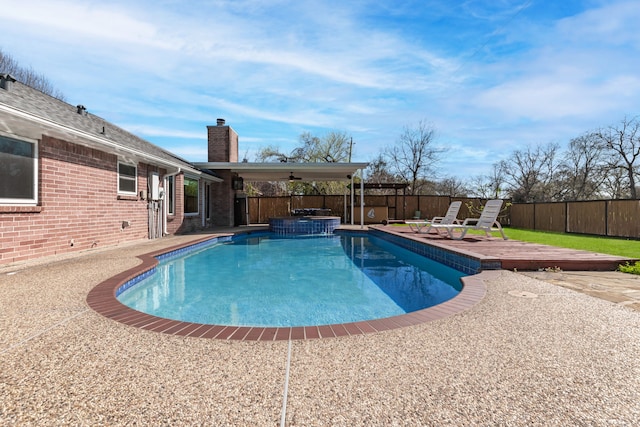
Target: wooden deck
{"points": [[514, 254]]}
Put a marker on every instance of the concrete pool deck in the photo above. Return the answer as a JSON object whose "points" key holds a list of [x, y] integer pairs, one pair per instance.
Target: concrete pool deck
{"points": [[529, 353]]}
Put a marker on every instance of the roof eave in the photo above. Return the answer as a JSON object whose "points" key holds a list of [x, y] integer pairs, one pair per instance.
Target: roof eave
{"points": [[57, 130]]}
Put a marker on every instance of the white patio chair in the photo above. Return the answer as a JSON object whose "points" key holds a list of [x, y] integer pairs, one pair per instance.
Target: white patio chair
{"points": [[487, 222], [451, 217]]}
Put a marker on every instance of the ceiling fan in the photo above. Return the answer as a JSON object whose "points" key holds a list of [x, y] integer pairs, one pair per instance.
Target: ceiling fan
{"points": [[294, 178]]}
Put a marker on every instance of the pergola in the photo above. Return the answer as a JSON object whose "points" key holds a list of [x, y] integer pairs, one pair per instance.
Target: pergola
{"points": [[307, 172], [388, 186]]}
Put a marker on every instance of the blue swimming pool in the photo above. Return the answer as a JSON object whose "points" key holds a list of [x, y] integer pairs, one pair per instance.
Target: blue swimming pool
{"points": [[269, 280]]}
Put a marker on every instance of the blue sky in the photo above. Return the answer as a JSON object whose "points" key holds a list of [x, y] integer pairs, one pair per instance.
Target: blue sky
{"points": [[491, 76]]}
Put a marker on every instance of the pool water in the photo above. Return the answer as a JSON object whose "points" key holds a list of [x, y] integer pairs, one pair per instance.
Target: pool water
{"points": [[284, 282]]}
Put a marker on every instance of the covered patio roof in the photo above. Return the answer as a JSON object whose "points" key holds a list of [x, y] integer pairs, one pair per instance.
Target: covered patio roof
{"points": [[261, 172], [282, 171]]}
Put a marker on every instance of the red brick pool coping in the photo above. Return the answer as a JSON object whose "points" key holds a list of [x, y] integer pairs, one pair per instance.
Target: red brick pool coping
{"points": [[102, 299]]}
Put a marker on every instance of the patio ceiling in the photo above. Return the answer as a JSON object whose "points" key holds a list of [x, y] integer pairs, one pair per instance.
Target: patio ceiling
{"points": [[281, 171]]}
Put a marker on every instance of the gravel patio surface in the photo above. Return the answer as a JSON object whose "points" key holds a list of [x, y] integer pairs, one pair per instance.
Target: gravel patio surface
{"points": [[529, 353]]}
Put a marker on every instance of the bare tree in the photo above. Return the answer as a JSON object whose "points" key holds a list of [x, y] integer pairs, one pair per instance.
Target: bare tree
{"points": [[623, 142], [452, 186], [531, 174], [614, 185], [489, 186], [8, 65], [583, 170], [378, 171], [413, 157], [28, 76]]}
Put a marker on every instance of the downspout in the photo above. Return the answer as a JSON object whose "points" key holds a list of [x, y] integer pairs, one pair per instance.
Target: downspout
{"points": [[165, 209], [203, 212]]}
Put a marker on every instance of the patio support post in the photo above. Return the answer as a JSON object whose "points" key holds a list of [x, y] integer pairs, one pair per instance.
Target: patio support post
{"points": [[361, 199], [344, 209], [352, 199]]}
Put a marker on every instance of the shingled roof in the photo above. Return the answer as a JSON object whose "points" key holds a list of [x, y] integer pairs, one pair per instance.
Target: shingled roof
{"points": [[28, 112]]}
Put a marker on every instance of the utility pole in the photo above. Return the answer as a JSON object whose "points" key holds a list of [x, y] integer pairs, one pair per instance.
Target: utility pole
{"points": [[350, 149]]}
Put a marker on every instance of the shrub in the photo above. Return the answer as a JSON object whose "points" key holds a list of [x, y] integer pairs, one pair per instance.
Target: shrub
{"points": [[630, 268]]}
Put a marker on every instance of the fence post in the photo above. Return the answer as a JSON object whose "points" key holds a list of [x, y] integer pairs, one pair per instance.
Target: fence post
{"points": [[534, 215], [606, 218]]}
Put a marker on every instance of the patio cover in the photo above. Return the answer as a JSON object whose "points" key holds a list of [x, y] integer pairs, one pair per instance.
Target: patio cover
{"points": [[260, 172]]}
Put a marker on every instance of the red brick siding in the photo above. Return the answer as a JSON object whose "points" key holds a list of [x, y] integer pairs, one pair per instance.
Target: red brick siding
{"points": [[78, 201], [223, 197]]}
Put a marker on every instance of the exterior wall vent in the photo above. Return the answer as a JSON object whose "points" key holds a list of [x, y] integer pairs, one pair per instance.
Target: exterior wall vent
{"points": [[220, 122]]}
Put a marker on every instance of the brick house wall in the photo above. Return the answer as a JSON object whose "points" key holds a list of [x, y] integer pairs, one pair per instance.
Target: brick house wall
{"points": [[222, 210], [79, 206]]}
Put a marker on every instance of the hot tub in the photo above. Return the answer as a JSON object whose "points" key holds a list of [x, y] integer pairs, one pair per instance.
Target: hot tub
{"points": [[304, 224]]}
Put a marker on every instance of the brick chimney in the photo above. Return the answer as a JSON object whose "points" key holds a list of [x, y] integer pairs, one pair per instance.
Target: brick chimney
{"points": [[223, 143], [223, 147]]}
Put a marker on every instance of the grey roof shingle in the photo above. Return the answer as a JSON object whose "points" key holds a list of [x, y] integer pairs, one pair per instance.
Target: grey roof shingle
{"points": [[38, 104]]}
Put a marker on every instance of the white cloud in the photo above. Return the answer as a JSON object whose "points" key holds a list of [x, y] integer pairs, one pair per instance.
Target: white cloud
{"points": [[77, 20], [275, 69]]}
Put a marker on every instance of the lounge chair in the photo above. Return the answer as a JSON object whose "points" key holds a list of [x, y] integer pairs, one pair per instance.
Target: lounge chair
{"points": [[487, 222], [451, 217]]}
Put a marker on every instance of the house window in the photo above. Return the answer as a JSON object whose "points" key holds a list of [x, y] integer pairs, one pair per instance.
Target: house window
{"points": [[170, 196], [190, 196], [127, 178], [18, 172]]}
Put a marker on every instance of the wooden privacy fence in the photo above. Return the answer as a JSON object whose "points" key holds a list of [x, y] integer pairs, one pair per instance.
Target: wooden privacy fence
{"points": [[398, 207], [615, 218]]}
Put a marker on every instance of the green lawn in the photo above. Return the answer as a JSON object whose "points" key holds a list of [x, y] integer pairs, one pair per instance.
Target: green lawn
{"points": [[605, 245]]}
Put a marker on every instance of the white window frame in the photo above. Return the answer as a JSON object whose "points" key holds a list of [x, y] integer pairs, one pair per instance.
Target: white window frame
{"points": [[128, 177], [33, 201], [170, 195]]}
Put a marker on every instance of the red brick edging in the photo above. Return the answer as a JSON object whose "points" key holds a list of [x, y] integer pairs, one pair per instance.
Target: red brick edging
{"points": [[102, 299]]}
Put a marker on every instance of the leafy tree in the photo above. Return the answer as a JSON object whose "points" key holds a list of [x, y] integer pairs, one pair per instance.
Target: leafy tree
{"points": [[28, 76], [414, 156], [623, 143], [334, 147]]}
